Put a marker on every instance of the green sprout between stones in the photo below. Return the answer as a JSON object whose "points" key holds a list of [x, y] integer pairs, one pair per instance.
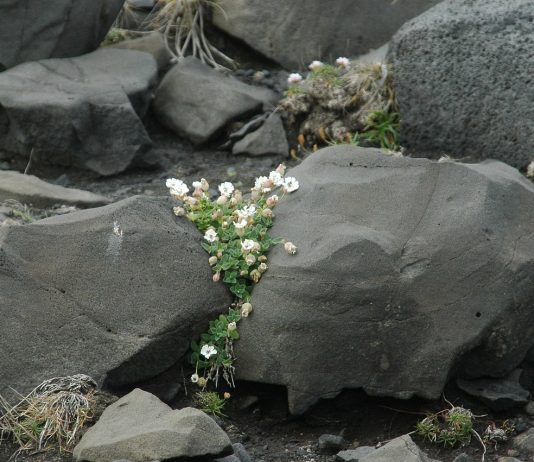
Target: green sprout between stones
{"points": [[326, 72], [211, 403], [383, 129], [236, 237], [454, 426]]}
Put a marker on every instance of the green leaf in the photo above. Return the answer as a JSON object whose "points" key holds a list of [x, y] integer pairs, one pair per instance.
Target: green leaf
{"points": [[230, 277], [233, 334]]}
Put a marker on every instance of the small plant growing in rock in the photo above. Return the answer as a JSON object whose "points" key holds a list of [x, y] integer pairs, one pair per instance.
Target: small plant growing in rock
{"points": [[449, 427], [236, 237], [116, 35], [454, 426], [332, 102], [211, 403], [383, 129]]}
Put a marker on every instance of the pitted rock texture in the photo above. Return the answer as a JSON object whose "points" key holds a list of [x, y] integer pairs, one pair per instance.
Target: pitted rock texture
{"points": [[463, 74]]}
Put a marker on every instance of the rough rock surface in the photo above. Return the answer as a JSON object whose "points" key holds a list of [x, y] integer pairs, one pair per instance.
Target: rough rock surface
{"points": [[497, 394], [28, 189], [197, 102], [461, 76], [139, 428], [270, 138], [30, 31], [81, 111], [295, 33], [152, 43], [400, 449], [407, 270], [354, 455], [116, 292], [525, 442]]}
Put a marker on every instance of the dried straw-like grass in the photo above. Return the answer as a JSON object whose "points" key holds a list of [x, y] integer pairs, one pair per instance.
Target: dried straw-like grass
{"points": [[182, 22], [51, 416]]}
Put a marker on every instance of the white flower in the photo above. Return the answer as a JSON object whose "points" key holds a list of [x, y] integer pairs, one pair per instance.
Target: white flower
{"points": [[276, 178], [211, 235], [242, 224], [197, 185], [179, 211], [315, 65], [343, 62], [226, 189], [291, 248], [232, 326], [194, 378], [290, 184], [294, 78], [258, 184], [246, 212], [530, 170], [177, 187], [207, 351], [250, 260], [247, 245]]}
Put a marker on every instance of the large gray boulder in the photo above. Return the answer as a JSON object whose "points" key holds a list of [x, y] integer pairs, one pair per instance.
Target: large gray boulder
{"points": [[28, 189], [82, 111], [140, 428], [116, 292], [295, 33], [462, 73], [31, 30], [408, 272], [198, 102]]}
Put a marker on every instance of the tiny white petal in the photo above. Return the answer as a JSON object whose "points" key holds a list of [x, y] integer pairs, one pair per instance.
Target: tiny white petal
{"points": [[294, 78], [290, 184]]}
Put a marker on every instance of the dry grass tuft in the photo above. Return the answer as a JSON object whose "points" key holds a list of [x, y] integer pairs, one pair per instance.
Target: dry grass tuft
{"points": [[51, 416], [182, 22]]}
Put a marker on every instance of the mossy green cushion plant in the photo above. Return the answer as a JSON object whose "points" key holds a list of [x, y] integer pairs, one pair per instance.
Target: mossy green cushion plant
{"points": [[236, 237]]}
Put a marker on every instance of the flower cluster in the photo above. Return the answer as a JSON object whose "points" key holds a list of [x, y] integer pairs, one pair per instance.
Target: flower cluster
{"points": [[318, 66], [235, 235]]}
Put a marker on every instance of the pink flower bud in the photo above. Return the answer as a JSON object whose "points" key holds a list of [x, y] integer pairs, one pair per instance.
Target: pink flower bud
{"points": [[216, 277]]}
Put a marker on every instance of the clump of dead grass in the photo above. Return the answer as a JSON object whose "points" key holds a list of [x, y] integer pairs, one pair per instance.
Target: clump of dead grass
{"points": [[183, 25], [51, 416]]}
